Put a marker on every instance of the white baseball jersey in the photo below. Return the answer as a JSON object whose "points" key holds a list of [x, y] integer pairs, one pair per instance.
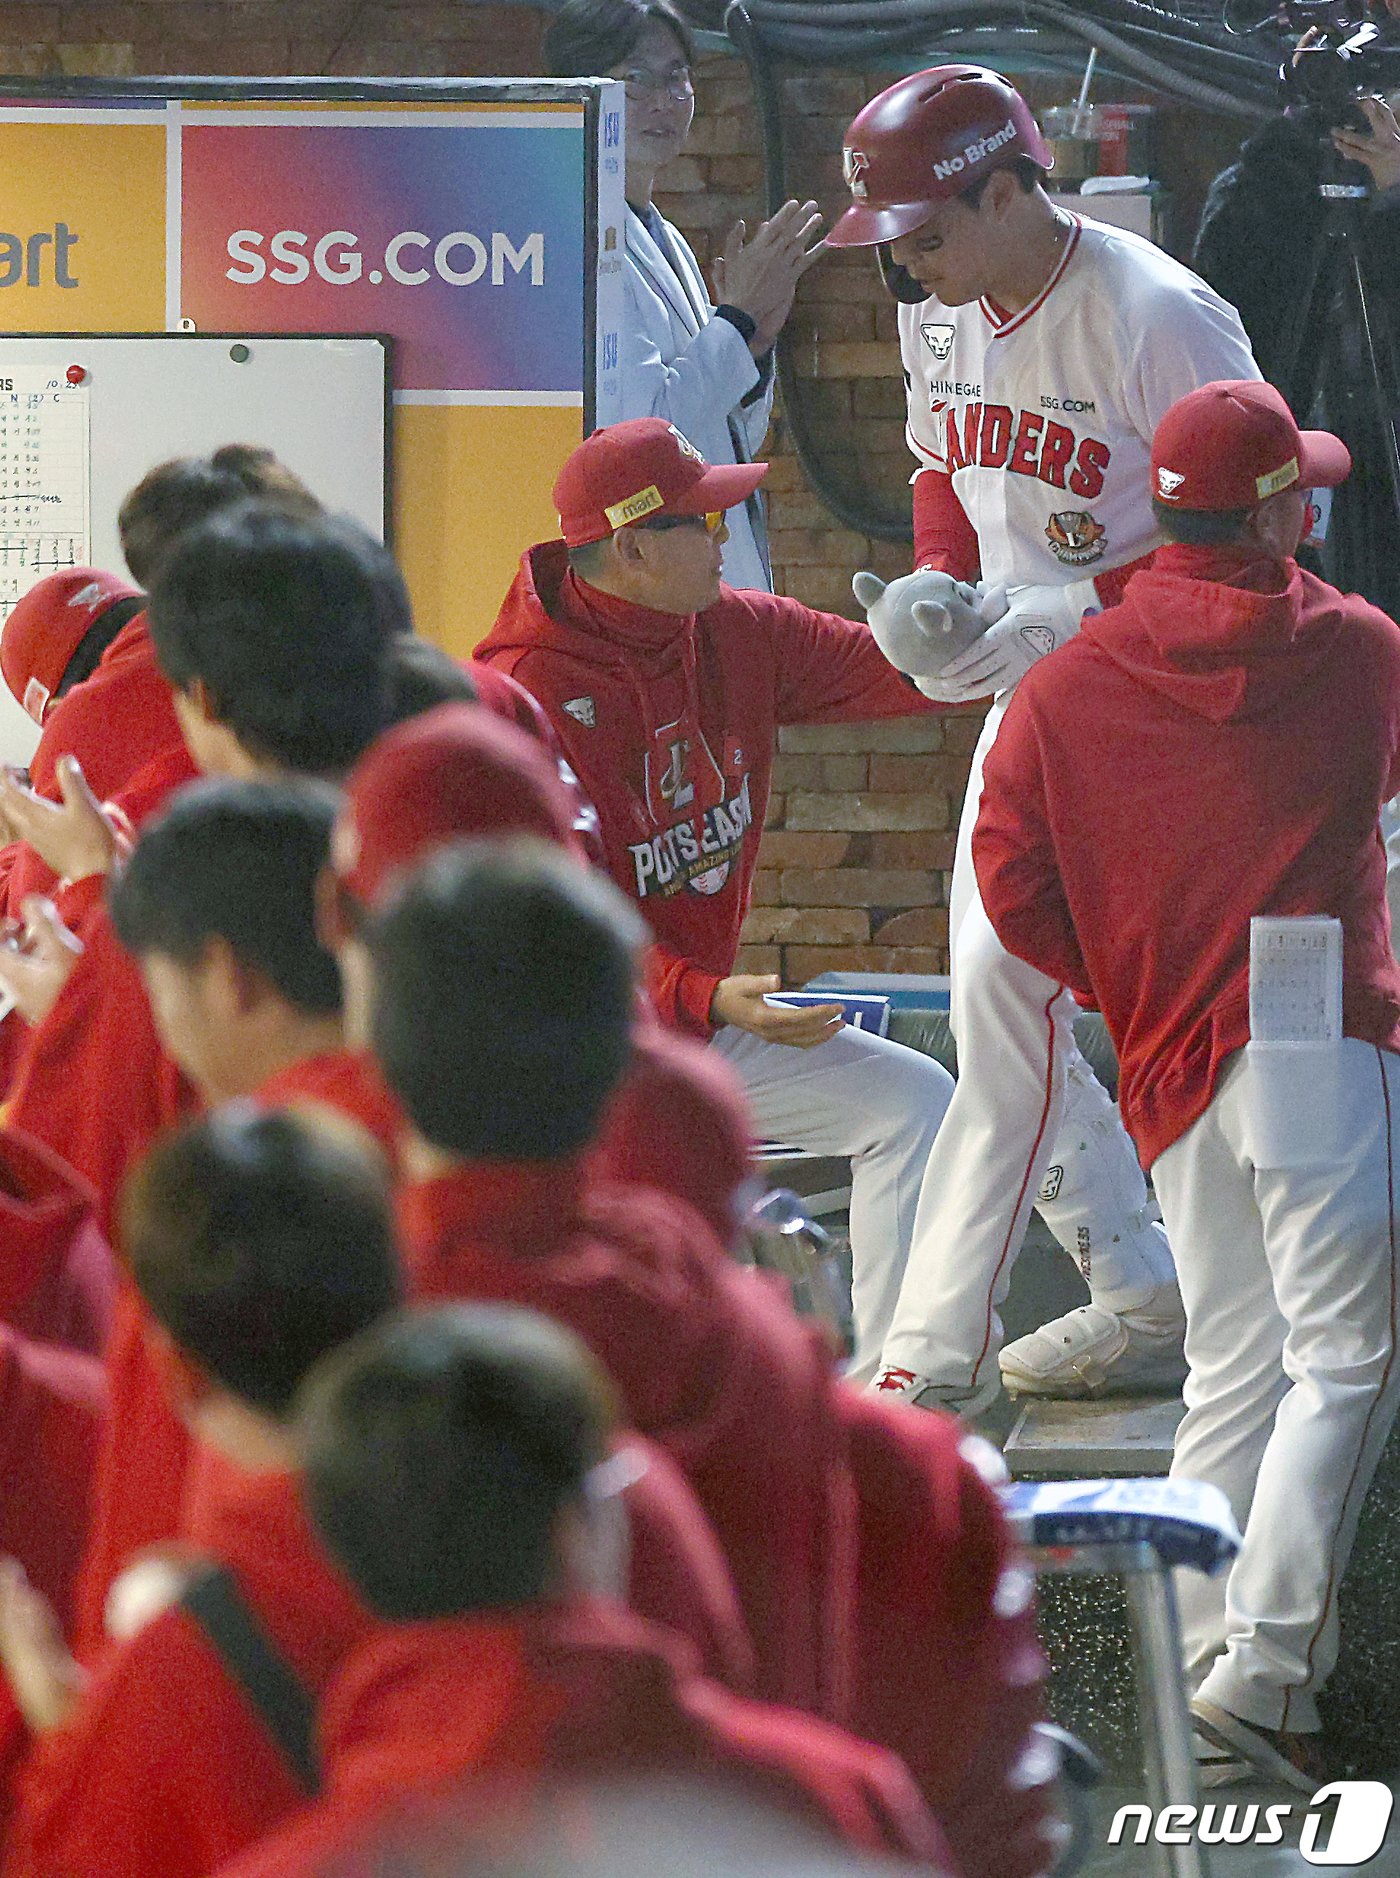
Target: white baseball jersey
{"points": [[1045, 417]]}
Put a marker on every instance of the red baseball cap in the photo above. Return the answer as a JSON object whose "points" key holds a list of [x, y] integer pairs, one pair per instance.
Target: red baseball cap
{"points": [[1234, 443], [629, 472], [455, 773], [46, 626]]}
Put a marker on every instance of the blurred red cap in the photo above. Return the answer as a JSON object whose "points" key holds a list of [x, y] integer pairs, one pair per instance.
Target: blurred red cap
{"points": [[455, 773]]}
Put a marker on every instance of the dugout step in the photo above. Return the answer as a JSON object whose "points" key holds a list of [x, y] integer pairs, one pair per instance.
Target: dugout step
{"points": [[1115, 1436], [821, 1181]]}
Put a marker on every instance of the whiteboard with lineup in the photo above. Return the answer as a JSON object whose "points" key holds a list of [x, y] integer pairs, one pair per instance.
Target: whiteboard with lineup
{"points": [[83, 418]]}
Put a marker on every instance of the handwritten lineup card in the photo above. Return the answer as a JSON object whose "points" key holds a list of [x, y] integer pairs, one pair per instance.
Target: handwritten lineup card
{"points": [[44, 461]]}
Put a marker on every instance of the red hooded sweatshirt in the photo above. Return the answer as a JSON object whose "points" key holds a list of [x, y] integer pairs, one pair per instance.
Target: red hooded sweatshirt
{"points": [[578, 1693], [669, 724], [870, 1557], [51, 1406], [114, 722], [93, 1082], [679, 1122], [57, 1277], [166, 1770], [146, 1448], [348, 1083], [707, 1360], [1215, 747], [943, 1602]]}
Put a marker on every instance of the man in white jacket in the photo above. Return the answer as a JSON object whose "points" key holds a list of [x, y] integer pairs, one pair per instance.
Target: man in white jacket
{"points": [[706, 369]]}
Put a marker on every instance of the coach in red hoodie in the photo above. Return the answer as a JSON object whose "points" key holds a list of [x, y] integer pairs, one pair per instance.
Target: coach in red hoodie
{"points": [[457, 1467], [1226, 736], [666, 689]]}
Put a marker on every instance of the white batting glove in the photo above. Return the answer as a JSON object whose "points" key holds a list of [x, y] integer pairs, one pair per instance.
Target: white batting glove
{"points": [[1026, 624], [921, 621]]}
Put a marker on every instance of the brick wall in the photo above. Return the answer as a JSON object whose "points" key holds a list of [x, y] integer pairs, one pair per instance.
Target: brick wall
{"points": [[267, 38], [854, 866]]}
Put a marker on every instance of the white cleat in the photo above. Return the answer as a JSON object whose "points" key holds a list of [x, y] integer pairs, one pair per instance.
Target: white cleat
{"points": [[964, 1399], [1094, 1351]]}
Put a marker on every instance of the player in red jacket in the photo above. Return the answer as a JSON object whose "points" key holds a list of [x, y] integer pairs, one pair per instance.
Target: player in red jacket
{"points": [[457, 1467], [1226, 736], [248, 1001], [678, 1121], [872, 1561], [239, 999], [77, 652], [258, 1242], [501, 1014], [666, 689], [288, 623]]}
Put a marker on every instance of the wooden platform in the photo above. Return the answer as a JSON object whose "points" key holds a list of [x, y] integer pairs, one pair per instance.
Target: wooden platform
{"points": [[1086, 1440]]}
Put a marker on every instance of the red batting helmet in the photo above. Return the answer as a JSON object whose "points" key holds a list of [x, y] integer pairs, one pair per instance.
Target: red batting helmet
{"points": [[925, 140], [48, 624]]}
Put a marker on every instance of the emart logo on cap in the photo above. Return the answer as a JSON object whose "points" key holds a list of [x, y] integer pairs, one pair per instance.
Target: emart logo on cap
{"points": [[854, 164], [1168, 482], [1281, 478], [646, 502]]}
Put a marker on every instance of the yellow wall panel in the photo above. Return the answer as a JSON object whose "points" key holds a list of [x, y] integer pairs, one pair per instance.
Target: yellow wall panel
{"points": [[472, 483], [82, 203]]}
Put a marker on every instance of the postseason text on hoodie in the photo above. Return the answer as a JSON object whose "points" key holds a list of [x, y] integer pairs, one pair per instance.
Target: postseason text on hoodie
{"points": [[668, 722], [1216, 746]]}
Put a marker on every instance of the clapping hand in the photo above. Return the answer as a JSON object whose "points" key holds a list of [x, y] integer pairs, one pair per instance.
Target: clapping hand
{"points": [[759, 273], [37, 960], [75, 836]]}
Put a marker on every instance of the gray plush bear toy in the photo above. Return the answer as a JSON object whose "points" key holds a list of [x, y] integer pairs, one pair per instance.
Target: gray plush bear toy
{"points": [[924, 620]]}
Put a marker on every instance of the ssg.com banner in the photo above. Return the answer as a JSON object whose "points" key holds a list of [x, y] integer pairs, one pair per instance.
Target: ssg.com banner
{"points": [[465, 241]]}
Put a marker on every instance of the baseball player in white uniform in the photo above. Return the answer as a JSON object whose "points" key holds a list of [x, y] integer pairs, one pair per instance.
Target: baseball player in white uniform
{"points": [[1040, 350]]}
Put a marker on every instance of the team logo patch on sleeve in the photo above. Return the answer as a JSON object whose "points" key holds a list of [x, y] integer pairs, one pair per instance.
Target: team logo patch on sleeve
{"points": [[583, 711], [938, 337], [1075, 537]]}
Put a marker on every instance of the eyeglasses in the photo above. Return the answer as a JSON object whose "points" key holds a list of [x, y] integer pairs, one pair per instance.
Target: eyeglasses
{"points": [[713, 520], [675, 83]]}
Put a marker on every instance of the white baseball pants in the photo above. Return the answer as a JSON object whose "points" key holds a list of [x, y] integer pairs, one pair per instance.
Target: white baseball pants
{"points": [[1029, 1124], [876, 1101], [1289, 1279], [1390, 835]]}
